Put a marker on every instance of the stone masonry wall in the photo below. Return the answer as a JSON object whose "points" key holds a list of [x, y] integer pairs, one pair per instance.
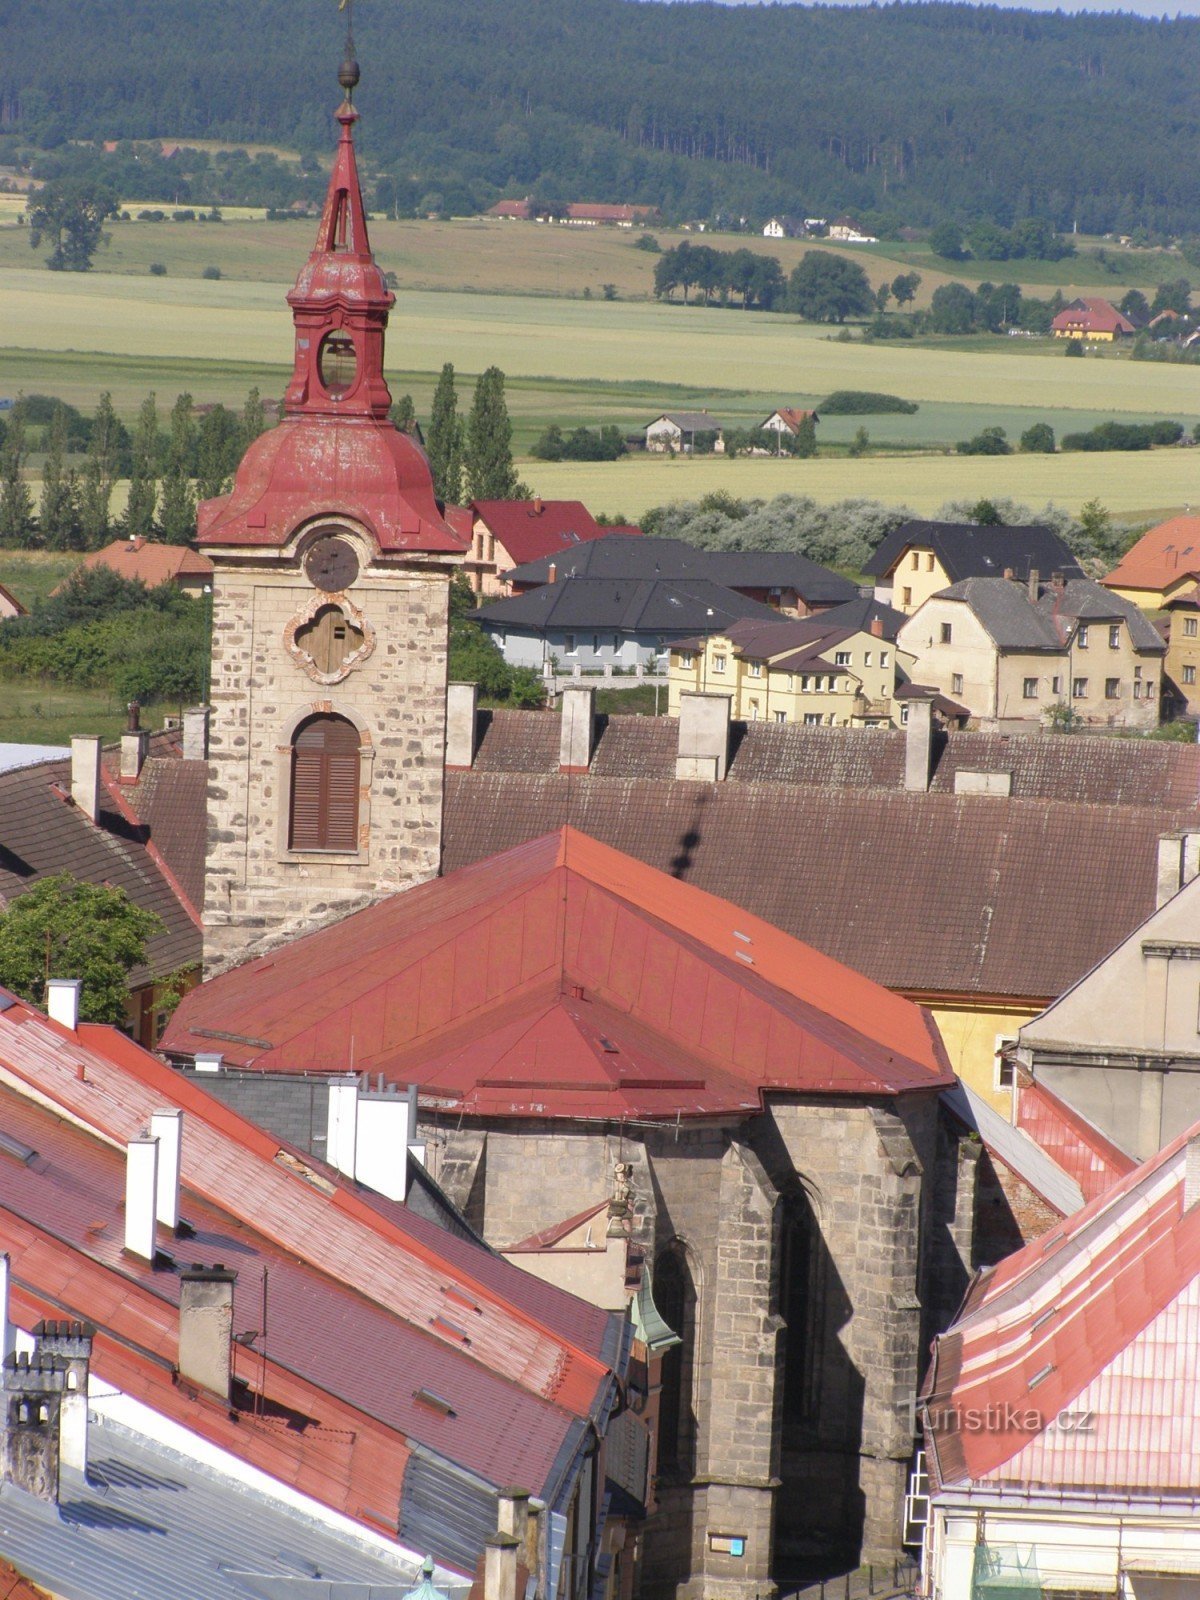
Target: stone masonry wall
{"points": [[258, 893]]}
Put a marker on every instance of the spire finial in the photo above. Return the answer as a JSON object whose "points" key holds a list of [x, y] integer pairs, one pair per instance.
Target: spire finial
{"points": [[348, 73]]}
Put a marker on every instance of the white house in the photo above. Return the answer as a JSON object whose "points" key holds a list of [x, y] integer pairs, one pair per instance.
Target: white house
{"points": [[846, 231], [783, 228], [1062, 1451], [678, 431]]}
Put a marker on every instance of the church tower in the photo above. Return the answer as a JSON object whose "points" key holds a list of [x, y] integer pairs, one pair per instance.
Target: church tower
{"points": [[330, 620]]}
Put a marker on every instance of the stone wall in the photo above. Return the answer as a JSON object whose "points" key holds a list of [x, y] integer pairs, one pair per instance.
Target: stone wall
{"points": [[258, 891]]}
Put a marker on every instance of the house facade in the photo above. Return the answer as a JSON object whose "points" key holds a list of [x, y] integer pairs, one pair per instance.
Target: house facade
{"points": [[1091, 317], [676, 432], [918, 559], [1012, 655], [1182, 661]]}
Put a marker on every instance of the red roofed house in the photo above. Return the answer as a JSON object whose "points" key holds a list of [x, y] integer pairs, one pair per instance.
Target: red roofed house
{"points": [[1060, 1409], [1091, 317], [508, 533], [1162, 564], [789, 420], [371, 1355], [562, 1007], [146, 561]]}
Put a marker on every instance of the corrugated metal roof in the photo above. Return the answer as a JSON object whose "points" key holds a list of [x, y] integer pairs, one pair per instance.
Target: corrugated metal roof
{"points": [[566, 976], [153, 1523]]}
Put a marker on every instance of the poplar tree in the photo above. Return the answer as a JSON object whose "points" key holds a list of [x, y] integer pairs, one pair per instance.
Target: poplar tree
{"points": [[16, 503], [58, 512], [404, 414], [216, 452], [99, 475], [143, 479], [252, 420], [178, 511], [444, 445], [489, 466]]}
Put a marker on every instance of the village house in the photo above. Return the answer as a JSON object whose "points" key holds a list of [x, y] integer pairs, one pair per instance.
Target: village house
{"points": [[1012, 653], [584, 214], [1061, 1455], [314, 1328], [1164, 563], [813, 672], [678, 432], [782, 579], [789, 421], [844, 230], [778, 1118], [1091, 317], [146, 561], [784, 228], [1121, 1045], [511, 533], [918, 559], [1182, 661]]}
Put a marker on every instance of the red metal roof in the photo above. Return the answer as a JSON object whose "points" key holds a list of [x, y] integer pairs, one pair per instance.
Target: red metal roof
{"points": [[1092, 314], [1100, 1315], [1161, 557], [531, 529], [563, 977], [1076, 1145], [345, 1276]]}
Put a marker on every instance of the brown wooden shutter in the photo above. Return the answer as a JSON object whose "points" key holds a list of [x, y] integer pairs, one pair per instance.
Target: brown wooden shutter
{"points": [[325, 782]]}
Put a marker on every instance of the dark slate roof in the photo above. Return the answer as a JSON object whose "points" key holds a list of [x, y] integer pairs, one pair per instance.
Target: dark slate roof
{"points": [[1004, 610], [669, 605], [689, 421], [968, 551], [862, 611], [620, 557], [1088, 601], [932, 893], [42, 833]]}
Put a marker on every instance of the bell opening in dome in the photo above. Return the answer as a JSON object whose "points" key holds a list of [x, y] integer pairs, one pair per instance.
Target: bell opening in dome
{"points": [[337, 365]]}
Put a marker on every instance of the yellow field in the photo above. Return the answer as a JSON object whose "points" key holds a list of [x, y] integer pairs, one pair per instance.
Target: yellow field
{"points": [[573, 340], [1126, 484]]}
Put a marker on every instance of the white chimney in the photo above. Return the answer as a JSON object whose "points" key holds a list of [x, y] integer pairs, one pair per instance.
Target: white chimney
{"points": [[386, 1124], [578, 728], [195, 734], [703, 751], [85, 774], [62, 1001], [141, 1196], [167, 1128], [462, 700], [208, 1061], [1191, 1172], [135, 747], [341, 1137]]}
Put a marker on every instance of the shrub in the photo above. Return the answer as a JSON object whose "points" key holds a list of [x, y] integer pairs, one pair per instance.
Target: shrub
{"points": [[648, 242], [152, 216], [1038, 440], [211, 272], [183, 216], [864, 403], [1074, 347], [1125, 436], [158, 269], [987, 442]]}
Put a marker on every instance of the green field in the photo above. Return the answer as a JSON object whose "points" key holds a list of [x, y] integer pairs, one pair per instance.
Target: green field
{"points": [[30, 575], [591, 361]]}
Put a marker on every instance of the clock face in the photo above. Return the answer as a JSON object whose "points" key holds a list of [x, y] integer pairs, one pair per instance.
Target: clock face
{"points": [[331, 565]]}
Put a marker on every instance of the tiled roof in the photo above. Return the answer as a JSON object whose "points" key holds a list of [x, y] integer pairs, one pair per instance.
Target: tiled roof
{"points": [[564, 977], [614, 557], [862, 611], [148, 562], [1161, 556], [1092, 314], [665, 606], [42, 833], [1085, 600], [346, 1275], [1004, 610], [967, 550], [170, 799], [1014, 897], [528, 529], [793, 416], [1100, 1317]]}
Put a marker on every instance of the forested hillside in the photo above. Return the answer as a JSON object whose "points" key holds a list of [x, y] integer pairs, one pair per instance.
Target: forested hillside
{"points": [[920, 111]]}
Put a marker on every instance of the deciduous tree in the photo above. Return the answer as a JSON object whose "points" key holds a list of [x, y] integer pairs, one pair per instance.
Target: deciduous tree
{"points": [[143, 477], [178, 511], [828, 288], [70, 213], [16, 502], [444, 443], [99, 475], [488, 460]]}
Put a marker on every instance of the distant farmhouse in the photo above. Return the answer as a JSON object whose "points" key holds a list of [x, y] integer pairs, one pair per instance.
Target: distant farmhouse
{"points": [[678, 431], [788, 420], [784, 228], [1091, 317], [580, 214], [844, 230]]}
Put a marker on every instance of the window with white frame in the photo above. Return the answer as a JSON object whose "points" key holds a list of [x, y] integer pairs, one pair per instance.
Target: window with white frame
{"points": [[719, 664], [1002, 1067], [755, 669]]}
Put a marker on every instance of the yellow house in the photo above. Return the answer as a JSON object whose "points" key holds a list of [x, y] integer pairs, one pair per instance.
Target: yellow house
{"points": [[801, 671], [1164, 563], [919, 559], [1182, 664]]}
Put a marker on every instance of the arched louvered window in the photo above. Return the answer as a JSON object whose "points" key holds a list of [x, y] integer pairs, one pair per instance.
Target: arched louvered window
{"points": [[325, 782]]}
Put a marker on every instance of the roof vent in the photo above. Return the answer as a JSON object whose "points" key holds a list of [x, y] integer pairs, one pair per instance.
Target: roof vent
{"points": [[435, 1402], [1040, 1377]]}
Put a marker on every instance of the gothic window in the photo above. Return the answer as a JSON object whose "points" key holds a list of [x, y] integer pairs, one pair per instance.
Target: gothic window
{"points": [[675, 1297], [325, 784], [329, 638], [801, 1304]]}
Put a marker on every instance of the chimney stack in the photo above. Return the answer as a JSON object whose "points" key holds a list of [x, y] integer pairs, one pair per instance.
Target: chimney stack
{"points": [[7, 1340], [85, 774], [62, 1001], [500, 1567], [1033, 586], [1009, 574], [167, 1128], [33, 1388], [875, 627], [552, 572], [208, 1061], [141, 1197], [135, 746], [195, 733], [1178, 863], [370, 1132], [206, 1328], [703, 752], [71, 1344], [462, 701], [918, 746], [578, 728]]}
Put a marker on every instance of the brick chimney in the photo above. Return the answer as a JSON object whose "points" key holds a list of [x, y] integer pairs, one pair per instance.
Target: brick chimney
{"points": [[875, 627], [71, 1342], [552, 572], [45, 1408], [1033, 585], [703, 752], [206, 1328]]}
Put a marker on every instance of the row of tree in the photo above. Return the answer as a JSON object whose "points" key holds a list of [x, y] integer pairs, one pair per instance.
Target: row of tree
{"points": [[169, 469], [822, 287], [470, 457]]}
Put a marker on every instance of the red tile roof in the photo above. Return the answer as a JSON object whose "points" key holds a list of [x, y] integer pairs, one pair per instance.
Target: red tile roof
{"points": [[148, 562], [1079, 1148], [793, 416], [1100, 1315], [530, 529], [564, 977], [345, 1276], [1161, 557], [1092, 314]]}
